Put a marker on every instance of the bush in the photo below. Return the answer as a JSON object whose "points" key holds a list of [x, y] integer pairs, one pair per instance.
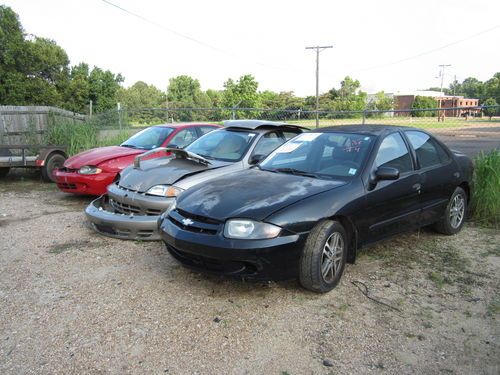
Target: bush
{"points": [[486, 200], [423, 102]]}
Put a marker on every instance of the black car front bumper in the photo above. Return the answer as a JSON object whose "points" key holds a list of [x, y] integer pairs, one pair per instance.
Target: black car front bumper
{"points": [[208, 250]]}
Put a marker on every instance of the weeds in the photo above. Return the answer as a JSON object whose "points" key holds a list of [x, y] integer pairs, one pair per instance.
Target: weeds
{"points": [[79, 136], [486, 199]]}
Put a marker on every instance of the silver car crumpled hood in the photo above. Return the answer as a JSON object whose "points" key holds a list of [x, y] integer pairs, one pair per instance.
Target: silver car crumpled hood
{"points": [[162, 171]]}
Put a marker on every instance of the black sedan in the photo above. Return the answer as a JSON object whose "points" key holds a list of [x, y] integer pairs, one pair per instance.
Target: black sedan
{"points": [[315, 201]]}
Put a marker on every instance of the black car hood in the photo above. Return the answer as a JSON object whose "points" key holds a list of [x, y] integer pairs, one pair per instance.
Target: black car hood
{"points": [[164, 171], [252, 194]]}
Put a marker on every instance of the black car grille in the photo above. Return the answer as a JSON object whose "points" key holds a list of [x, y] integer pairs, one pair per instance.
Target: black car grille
{"points": [[196, 224]]}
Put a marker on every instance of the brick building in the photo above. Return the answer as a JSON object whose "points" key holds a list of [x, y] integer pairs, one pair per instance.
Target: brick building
{"points": [[405, 101]]}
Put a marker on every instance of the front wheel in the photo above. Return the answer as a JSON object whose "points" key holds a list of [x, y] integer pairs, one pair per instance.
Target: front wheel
{"points": [[454, 214], [52, 163], [323, 258]]}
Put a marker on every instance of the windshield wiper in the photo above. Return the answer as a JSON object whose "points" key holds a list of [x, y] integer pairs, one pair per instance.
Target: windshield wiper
{"points": [[296, 172], [127, 145], [206, 157]]}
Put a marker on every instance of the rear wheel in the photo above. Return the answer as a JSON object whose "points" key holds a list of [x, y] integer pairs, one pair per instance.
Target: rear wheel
{"points": [[323, 258], [53, 162], [454, 214]]}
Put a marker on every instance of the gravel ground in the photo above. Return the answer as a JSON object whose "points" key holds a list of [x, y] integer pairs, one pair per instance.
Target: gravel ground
{"points": [[73, 302]]}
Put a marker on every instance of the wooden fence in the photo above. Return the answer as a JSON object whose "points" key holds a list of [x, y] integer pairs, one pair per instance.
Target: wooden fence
{"points": [[26, 124]]}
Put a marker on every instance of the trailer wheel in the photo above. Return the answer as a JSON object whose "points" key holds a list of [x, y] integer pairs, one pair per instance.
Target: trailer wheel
{"points": [[53, 162], [4, 170]]}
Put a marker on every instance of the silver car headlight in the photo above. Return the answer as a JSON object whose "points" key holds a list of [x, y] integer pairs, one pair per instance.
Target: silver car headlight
{"points": [[250, 229], [168, 191], [89, 169]]}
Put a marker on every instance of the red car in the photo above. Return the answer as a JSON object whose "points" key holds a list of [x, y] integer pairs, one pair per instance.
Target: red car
{"points": [[90, 172]]}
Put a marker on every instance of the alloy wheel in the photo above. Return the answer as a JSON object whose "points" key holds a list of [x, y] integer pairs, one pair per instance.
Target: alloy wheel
{"points": [[331, 259]]}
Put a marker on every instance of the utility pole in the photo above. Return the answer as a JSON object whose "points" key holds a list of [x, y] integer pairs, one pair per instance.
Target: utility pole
{"points": [[441, 73], [318, 50]]}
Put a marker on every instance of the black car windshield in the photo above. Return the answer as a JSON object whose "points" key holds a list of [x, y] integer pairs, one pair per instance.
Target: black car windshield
{"points": [[149, 138], [321, 155], [223, 145]]}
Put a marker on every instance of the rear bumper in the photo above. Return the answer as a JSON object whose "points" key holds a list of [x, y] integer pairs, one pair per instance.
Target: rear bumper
{"points": [[271, 259], [107, 221], [76, 183]]}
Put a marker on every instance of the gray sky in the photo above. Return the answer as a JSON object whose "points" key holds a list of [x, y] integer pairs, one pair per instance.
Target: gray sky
{"points": [[266, 38]]}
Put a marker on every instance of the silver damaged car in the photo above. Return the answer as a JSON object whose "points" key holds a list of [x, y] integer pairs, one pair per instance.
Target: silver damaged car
{"points": [[133, 204]]}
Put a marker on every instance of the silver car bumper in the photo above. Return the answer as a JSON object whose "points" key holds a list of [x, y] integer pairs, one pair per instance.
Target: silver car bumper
{"points": [[106, 220]]}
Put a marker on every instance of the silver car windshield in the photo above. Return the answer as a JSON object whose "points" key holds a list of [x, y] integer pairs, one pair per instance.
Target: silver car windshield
{"points": [[223, 145], [321, 155]]}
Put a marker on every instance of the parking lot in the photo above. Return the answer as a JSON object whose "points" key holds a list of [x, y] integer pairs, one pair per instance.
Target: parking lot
{"points": [[76, 302]]}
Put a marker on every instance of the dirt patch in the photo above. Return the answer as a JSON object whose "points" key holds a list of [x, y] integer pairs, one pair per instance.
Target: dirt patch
{"points": [[75, 302]]}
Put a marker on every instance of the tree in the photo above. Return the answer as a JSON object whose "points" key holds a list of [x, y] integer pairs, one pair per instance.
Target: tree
{"points": [[423, 102], [492, 87], [242, 93], [490, 112], [30, 69], [348, 98]]}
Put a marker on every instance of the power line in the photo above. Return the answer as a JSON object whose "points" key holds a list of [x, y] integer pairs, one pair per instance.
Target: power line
{"points": [[163, 27], [191, 39], [429, 51]]}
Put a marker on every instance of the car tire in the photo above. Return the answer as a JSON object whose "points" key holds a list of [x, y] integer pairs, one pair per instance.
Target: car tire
{"points": [[454, 214], [327, 242], [4, 171], [53, 162]]}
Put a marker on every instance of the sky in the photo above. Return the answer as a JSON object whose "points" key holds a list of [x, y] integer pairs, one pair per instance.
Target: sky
{"points": [[394, 46]]}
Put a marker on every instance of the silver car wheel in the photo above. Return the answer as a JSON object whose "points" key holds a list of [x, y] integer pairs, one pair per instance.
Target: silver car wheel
{"points": [[331, 259], [457, 211]]}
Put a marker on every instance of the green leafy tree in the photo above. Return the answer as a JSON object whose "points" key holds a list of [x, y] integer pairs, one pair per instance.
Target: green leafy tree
{"points": [[103, 87], [347, 98], [492, 87], [241, 93], [490, 112], [31, 69], [423, 102]]}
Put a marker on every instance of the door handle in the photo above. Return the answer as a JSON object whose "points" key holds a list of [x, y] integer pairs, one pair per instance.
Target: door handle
{"points": [[417, 187]]}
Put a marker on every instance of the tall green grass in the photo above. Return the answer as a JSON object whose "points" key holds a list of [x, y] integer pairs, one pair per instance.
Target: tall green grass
{"points": [[486, 200], [80, 136]]}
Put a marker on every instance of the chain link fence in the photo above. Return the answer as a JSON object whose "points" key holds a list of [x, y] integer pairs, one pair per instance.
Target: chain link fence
{"points": [[428, 118]]}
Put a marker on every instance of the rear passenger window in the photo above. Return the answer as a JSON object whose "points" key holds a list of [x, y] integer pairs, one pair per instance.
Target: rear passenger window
{"points": [[289, 135], [429, 152], [394, 153], [206, 129], [267, 144]]}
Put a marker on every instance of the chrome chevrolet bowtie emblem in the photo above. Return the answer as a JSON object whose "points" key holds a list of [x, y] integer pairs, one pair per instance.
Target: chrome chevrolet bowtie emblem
{"points": [[187, 222]]}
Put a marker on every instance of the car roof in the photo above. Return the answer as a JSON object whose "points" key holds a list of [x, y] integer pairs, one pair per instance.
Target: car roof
{"points": [[185, 124], [256, 124], [363, 129]]}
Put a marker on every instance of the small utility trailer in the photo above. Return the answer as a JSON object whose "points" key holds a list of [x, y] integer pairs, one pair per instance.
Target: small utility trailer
{"points": [[47, 158]]}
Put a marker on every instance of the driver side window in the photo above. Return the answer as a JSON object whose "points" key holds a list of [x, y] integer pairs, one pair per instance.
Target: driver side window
{"points": [[394, 153]]}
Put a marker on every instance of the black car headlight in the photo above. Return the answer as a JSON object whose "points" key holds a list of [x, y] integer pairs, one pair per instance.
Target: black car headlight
{"points": [[250, 229]]}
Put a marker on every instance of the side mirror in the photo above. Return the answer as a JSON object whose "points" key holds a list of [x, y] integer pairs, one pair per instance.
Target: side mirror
{"points": [[172, 145], [387, 173], [254, 159]]}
